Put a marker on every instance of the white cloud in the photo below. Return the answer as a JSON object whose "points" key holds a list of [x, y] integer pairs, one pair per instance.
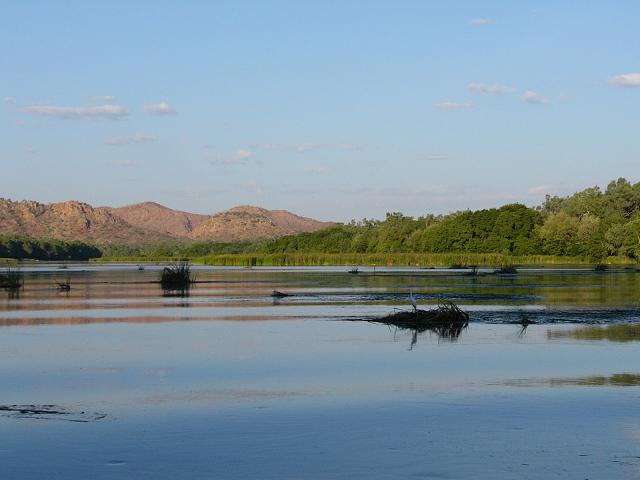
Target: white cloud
{"points": [[238, 157], [532, 97], [480, 21], [449, 105], [124, 163], [319, 170], [493, 89], [99, 111], [626, 80], [161, 108], [8, 101], [120, 141], [104, 98]]}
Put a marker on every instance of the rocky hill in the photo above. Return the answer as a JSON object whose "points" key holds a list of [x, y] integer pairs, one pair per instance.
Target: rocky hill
{"points": [[70, 221], [251, 223], [145, 223], [158, 218]]}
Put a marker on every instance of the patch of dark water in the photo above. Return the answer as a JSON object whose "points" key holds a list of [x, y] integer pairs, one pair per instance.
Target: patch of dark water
{"points": [[49, 412]]}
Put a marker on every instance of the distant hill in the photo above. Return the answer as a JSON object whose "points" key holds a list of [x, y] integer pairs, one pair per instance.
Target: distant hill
{"points": [[146, 223], [70, 221], [158, 218], [252, 223]]}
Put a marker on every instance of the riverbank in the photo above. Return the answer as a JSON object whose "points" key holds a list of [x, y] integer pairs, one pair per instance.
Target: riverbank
{"points": [[378, 259]]}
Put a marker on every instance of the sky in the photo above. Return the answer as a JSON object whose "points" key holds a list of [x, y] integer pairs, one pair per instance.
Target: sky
{"points": [[330, 109]]}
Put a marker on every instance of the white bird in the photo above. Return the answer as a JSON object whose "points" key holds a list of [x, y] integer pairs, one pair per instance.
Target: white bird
{"points": [[412, 299]]}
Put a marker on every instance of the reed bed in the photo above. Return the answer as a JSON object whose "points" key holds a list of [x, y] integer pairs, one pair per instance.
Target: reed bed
{"points": [[177, 276], [11, 279]]}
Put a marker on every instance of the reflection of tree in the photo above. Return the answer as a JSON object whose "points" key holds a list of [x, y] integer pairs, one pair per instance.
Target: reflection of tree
{"points": [[615, 380], [614, 333]]}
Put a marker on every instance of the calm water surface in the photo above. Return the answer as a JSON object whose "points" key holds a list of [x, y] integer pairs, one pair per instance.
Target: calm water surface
{"points": [[118, 379]]}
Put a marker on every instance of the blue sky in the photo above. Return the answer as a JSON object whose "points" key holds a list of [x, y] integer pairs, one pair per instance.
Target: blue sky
{"points": [[330, 109]]}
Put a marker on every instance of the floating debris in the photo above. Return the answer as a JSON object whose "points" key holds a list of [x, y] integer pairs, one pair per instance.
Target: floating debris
{"points": [[64, 286]]}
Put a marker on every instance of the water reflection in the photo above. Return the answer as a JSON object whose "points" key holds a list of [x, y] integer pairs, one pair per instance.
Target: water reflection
{"points": [[615, 380], [614, 333]]}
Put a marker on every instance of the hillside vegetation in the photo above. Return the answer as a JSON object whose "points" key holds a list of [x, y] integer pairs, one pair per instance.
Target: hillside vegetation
{"points": [[589, 225]]}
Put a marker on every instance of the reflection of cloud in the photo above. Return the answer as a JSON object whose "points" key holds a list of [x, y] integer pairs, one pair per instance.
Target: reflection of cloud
{"points": [[449, 105], [161, 108], [118, 142], [99, 111], [493, 89], [626, 80]]}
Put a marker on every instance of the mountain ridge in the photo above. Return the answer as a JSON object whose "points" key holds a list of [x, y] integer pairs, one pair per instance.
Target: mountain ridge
{"points": [[146, 222]]}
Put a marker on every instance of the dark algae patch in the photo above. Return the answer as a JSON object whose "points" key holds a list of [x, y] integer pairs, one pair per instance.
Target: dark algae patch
{"points": [[49, 412]]}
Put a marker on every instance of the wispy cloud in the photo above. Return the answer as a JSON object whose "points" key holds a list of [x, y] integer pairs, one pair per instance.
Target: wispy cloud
{"points": [[161, 108], [319, 170], [532, 97], [626, 80], [306, 146], [121, 141], [480, 21], [252, 187], [240, 156], [104, 98], [449, 105], [493, 89], [99, 111], [437, 157], [8, 101], [124, 163]]}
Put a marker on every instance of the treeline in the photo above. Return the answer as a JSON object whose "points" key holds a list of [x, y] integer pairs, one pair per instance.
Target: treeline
{"points": [[28, 248], [591, 223]]}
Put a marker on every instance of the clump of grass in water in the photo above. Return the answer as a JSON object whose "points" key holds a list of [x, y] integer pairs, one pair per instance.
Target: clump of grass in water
{"points": [[447, 321], [600, 267], [11, 279], [506, 270], [176, 276]]}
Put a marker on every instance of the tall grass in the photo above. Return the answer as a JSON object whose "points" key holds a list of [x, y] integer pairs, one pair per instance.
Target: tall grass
{"points": [[176, 276], [11, 279], [493, 260]]}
